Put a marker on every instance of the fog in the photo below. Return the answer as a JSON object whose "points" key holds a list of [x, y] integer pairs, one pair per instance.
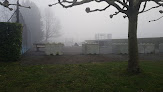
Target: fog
{"points": [[80, 26]]}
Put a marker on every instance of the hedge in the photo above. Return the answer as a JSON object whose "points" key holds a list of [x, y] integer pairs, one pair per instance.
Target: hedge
{"points": [[10, 41]]}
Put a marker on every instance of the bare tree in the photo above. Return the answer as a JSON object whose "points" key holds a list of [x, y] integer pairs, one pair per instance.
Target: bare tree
{"points": [[51, 25], [131, 9]]}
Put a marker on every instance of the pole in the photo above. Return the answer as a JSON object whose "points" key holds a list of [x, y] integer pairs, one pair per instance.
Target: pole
{"points": [[17, 12]]}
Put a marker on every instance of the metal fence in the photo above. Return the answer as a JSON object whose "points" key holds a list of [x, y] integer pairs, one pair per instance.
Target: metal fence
{"points": [[26, 34]]}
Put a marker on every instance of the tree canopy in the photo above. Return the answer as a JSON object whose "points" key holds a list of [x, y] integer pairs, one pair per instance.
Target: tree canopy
{"points": [[123, 6]]}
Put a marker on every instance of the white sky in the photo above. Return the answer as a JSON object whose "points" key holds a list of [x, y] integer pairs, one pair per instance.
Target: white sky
{"points": [[79, 25]]}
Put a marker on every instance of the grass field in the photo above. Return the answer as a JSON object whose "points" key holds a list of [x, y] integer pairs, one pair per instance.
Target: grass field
{"points": [[90, 77]]}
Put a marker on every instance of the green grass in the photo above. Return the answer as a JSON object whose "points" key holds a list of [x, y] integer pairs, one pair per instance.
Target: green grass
{"points": [[90, 77]]}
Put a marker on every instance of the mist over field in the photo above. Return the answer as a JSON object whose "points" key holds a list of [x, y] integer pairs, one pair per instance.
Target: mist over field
{"points": [[78, 25]]}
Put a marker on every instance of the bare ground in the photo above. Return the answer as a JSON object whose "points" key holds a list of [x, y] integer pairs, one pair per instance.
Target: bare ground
{"points": [[35, 58]]}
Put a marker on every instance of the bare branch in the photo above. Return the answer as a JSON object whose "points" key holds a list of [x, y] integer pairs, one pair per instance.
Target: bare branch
{"points": [[152, 0], [123, 3], [125, 16], [159, 3], [115, 3], [5, 3], [26, 7], [50, 5], [150, 9], [156, 19], [99, 1], [20, 6], [161, 11], [88, 9], [70, 2], [73, 3], [156, 1], [6, 6], [145, 4], [1, 3], [116, 13], [111, 2], [12, 4]]}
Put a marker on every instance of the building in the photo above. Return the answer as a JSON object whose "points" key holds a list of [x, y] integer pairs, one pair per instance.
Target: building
{"points": [[120, 46]]}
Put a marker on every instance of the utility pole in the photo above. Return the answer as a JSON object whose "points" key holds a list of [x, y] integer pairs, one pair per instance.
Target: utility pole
{"points": [[17, 12]]}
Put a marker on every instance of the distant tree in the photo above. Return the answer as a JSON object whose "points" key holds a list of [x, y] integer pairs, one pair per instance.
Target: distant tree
{"points": [[51, 25], [131, 9], [33, 20]]}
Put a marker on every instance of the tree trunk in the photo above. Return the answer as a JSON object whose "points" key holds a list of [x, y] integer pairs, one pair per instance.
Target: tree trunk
{"points": [[133, 62]]}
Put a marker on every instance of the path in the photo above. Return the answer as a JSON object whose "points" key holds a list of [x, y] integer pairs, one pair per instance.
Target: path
{"points": [[33, 58]]}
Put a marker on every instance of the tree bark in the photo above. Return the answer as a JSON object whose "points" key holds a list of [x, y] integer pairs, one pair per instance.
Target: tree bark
{"points": [[133, 62]]}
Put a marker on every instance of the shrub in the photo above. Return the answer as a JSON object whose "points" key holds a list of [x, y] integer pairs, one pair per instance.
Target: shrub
{"points": [[10, 41]]}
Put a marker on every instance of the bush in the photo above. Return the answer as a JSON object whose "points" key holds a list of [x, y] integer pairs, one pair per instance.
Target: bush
{"points": [[10, 41]]}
